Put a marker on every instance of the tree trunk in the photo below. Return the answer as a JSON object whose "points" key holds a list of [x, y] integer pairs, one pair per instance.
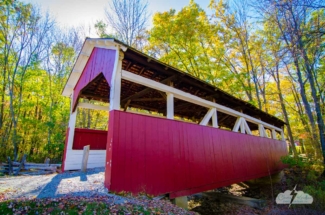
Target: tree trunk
{"points": [[284, 110], [320, 121], [305, 100]]}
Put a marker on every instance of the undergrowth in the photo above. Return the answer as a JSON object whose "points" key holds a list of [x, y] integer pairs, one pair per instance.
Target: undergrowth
{"points": [[307, 174]]}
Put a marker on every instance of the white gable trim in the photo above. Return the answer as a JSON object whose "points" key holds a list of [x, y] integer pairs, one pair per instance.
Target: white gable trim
{"points": [[83, 57]]}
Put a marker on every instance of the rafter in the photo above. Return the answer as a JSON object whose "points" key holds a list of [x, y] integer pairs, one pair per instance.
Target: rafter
{"points": [[146, 91]]}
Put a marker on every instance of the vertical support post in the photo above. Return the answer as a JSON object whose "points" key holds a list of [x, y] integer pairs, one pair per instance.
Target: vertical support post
{"points": [[282, 134], [215, 116], [22, 163], [85, 158], [170, 106], [72, 125], [273, 134], [261, 130], [115, 94]]}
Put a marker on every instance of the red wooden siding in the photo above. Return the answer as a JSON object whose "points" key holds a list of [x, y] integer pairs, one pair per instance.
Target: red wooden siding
{"points": [[161, 156], [100, 61], [97, 139]]}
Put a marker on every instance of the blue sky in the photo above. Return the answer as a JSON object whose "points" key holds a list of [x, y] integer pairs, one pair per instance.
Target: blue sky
{"points": [[75, 12]]}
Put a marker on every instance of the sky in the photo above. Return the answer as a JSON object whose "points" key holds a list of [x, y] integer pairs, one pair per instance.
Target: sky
{"points": [[69, 13]]}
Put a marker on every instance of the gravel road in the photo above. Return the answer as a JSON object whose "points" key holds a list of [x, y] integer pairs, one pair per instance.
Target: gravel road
{"points": [[71, 185], [74, 183]]}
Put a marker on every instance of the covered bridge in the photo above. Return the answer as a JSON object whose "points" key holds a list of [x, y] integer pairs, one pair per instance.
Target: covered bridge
{"points": [[188, 136]]}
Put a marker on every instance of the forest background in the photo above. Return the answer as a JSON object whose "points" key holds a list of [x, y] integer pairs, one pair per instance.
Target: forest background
{"points": [[269, 53]]}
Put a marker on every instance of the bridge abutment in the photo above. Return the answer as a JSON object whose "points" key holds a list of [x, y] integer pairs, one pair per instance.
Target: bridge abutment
{"points": [[181, 202]]}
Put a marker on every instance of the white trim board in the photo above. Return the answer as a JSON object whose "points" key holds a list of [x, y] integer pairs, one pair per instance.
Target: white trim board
{"points": [[83, 57]]}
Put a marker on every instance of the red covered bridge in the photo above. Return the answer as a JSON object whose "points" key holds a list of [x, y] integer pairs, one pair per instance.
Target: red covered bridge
{"points": [[169, 132]]}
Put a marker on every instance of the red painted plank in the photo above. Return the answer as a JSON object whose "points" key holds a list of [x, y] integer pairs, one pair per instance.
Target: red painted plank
{"points": [[209, 156], [100, 61], [134, 150], [177, 156], [218, 156], [129, 140], [227, 155], [97, 139], [201, 139], [165, 163], [141, 156], [166, 156]]}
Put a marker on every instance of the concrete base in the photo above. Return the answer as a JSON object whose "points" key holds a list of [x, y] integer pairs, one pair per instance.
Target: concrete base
{"points": [[181, 202], [275, 178]]}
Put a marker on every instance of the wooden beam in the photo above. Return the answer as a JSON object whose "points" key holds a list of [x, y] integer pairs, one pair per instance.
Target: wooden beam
{"points": [[273, 134], [190, 98], [242, 126], [246, 127], [115, 91], [93, 96], [170, 106], [72, 125], [127, 104], [182, 106], [224, 118], [282, 134], [261, 130], [215, 119], [163, 95], [147, 90], [255, 203], [129, 90], [144, 107], [148, 99], [85, 54], [237, 124], [207, 116], [154, 65], [93, 106]]}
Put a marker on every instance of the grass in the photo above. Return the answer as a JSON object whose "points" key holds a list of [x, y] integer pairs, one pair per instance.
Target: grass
{"points": [[73, 206]]}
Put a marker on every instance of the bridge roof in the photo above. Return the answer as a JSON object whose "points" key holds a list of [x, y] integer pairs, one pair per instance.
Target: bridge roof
{"points": [[138, 96]]}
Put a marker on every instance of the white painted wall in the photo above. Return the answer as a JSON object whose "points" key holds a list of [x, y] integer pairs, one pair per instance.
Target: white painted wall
{"points": [[97, 158]]}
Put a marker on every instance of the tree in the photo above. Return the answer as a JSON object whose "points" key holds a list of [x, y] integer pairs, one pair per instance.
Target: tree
{"points": [[24, 33], [242, 56], [295, 20], [128, 18], [191, 44]]}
